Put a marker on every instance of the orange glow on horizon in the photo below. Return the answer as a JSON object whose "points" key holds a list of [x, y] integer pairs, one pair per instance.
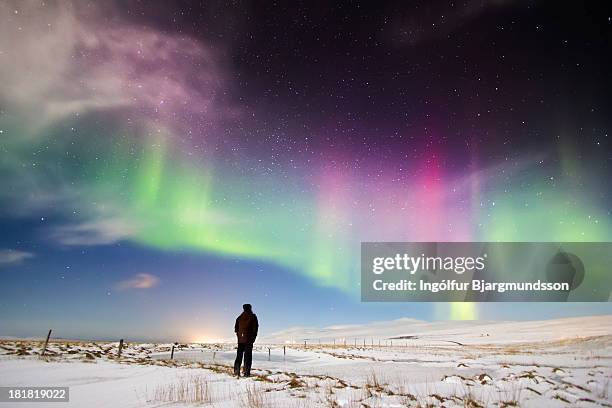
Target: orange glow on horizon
{"points": [[204, 338]]}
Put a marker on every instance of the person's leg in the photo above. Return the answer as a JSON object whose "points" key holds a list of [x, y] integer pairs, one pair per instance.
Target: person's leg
{"points": [[248, 358], [238, 361]]}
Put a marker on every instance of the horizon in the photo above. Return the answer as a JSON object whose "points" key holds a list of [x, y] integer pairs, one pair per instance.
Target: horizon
{"points": [[287, 329]]}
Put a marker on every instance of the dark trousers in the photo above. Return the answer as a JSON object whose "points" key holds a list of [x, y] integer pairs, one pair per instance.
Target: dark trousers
{"points": [[247, 350]]}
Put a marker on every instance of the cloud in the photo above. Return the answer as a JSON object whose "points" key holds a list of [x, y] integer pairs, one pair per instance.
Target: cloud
{"points": [[13, 256], [103, 231], [139, 281], [91, 67]]}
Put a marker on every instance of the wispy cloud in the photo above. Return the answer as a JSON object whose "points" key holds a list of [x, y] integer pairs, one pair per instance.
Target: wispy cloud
{"points": [[139, 281], [92, 67], [13, 256], [103, 231]]}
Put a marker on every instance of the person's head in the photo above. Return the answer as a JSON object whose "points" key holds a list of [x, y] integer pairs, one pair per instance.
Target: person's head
{"points": [[246, 307]]}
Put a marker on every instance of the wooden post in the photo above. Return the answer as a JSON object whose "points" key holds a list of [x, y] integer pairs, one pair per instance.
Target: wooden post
{"points": [[304, 343], [172, 353], [120, 348], [364, 342], [284, 351], [46, 343], [268, 353]]}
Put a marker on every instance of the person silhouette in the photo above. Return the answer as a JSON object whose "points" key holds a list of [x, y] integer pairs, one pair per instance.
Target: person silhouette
{"points": [[246, 328]]}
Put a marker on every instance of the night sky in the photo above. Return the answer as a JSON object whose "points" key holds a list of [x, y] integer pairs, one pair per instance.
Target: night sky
{"points": [[165, 162]]}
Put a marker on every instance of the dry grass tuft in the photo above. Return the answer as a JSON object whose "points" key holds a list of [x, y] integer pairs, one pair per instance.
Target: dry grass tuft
{"points": [[296, 383], [254, 397], [190, 390], [330, 399]]}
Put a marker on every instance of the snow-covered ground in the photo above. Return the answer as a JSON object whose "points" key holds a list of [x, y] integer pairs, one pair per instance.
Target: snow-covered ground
{"points": [[556, 363]]}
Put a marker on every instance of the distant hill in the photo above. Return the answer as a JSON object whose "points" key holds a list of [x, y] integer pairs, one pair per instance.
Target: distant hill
{"points": [[464, 332]]}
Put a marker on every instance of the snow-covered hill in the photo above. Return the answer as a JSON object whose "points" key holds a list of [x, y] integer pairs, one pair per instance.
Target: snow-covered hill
{"points": [[465, 332]]}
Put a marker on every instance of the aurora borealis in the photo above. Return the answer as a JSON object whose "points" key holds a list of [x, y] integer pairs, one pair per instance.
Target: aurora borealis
{"points": [[176, 158]]}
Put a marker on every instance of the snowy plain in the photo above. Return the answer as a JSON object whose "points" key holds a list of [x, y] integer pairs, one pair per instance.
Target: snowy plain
{"points": [[405, 362]]}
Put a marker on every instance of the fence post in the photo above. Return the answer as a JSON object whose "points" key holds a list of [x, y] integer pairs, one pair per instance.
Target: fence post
{"points": [[172, 353], [268, 353], [120, 348], [46, 343]]}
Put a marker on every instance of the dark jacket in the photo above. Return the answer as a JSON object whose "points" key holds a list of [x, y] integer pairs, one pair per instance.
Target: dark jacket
{"points": [[246, 327]]}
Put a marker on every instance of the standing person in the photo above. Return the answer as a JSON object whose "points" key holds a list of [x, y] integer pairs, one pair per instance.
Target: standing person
{"points": [[246, 330]]}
